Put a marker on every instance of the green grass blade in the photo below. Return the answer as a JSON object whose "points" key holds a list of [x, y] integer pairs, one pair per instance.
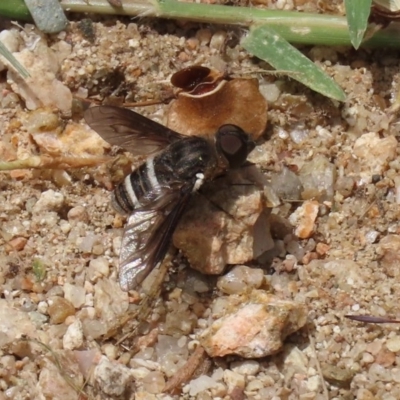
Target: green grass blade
{"points": [[266, 44], [357, 12], [13, 61]]}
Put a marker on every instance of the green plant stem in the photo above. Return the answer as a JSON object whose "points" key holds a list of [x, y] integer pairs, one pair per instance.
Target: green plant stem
{"points": [[15, 9], [295, 27]]}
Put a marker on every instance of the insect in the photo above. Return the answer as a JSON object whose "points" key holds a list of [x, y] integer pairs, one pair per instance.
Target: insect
{"points": [[155, 195]]}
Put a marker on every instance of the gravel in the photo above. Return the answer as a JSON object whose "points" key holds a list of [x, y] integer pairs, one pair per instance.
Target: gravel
{"points": [[65, 321]]}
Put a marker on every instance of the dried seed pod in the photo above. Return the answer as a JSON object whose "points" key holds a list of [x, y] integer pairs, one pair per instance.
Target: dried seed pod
{"points": [[237, 102], [197, 81]]}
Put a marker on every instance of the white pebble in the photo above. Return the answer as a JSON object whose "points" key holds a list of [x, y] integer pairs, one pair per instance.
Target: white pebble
{"points": [[73, 338], [42, 307], [48, 201], [75, 294], [393, 344], [98, 267], [248, 367], [233, 379]]}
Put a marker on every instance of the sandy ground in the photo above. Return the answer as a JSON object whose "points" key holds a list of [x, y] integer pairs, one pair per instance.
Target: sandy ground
{"points": [[61, 309]]}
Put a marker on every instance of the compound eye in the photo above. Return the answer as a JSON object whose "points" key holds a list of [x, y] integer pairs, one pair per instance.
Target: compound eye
{"points": [[234, 144]]}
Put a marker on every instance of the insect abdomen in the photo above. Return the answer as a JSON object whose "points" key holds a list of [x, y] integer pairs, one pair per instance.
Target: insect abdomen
{"points": [[136, 189], [180, 162]]}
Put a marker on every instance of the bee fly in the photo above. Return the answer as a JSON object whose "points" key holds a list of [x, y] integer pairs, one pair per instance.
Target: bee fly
{"points": [[155, 195]]}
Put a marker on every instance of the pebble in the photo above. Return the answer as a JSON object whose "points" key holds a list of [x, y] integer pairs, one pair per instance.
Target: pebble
{"points": [[233, 380], [246, 367], [112, 378], [287, 184], [154, 382], [318, 177], [111, 303], [52, 384], [18, 243], [48, 201], [252, 325], [98, 268], [204, 36], [240, 278], [75, 295], [270, 91], [393, 344], [373, 154], [218, 39], [42, 88], [389, 252], [78, 213], [201, 384], [304, 219], [210, 238], [73, 338], [38, 318], [59, 309], [11, 39], [110, 351]]}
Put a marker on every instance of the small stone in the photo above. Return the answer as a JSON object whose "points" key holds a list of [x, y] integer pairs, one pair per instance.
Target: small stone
{"points": [[204, 36], [210, 238], [336, 374], [18, 243], [389, 251], [52, 384], [240, 278], [373, 154], [78, 213], [41, 88], [233, 380], [48, 15], [112, 378], [246, 367], [154, 382], [75, 295], [304, 218], [393, 344], [322, 248], [73, 338], [200, 384], [99, 267], [11, 39], [59, 309], [287, 184], [111, 303], [252, 325], [48, 201], [318, 177], [93, 329], [13, 324]]}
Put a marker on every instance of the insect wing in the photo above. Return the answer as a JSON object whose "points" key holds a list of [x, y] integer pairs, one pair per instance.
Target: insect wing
{"points": [[147, 237], [127, 129]]}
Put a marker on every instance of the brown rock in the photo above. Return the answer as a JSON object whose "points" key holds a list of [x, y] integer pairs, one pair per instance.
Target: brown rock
{"points": [[59, 309], [219, 231], [389, 250]]}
